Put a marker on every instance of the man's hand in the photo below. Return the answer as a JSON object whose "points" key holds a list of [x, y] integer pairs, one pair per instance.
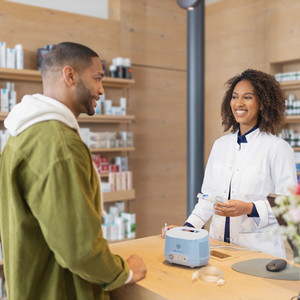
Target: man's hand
{"points": [[137, 266], [233, 208]]}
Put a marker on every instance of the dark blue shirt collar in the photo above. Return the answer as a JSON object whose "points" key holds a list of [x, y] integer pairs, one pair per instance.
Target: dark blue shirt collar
{"points": [[242, 138]]}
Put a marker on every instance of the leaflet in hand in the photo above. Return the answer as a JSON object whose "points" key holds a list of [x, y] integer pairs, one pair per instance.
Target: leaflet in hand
{"points": [[211, 199]]}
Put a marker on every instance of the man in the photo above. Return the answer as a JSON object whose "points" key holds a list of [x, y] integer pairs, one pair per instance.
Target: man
{"points": [[51, 231]]}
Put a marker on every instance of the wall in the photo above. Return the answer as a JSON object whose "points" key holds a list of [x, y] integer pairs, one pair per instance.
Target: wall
{"points": [[153, 34], [92, 8], [235, 40]]}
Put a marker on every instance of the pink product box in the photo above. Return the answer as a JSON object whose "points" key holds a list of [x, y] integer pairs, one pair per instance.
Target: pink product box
{"points": [[113, 168], [97, 160], [104, 161], [104, 169]]}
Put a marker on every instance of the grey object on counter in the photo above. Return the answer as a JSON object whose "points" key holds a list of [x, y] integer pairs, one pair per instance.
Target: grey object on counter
{"points": [[257, 267]]}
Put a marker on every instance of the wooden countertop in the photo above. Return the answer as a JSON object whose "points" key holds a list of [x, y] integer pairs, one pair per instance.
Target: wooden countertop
{"points": [[168, 281]]}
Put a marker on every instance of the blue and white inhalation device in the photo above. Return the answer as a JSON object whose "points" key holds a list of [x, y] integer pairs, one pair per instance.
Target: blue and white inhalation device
{"points": [[187, 246]]}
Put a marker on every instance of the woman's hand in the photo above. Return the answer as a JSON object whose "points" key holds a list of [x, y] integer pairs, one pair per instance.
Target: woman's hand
{"points": [[163, 230], [233, 208]]}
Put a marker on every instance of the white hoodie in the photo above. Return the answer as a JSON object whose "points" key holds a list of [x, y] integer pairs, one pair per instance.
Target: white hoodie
{"points": [[38, 108]]}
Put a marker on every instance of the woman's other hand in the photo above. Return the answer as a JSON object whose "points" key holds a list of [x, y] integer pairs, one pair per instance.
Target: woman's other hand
{"points": [[233, 208]]}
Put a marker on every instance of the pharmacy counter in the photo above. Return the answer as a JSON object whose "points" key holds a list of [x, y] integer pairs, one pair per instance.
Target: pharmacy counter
{"points": [[167, 281]]}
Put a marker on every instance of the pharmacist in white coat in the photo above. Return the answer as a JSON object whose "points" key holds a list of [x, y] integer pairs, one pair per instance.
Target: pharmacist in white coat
{"points": [[246, 165]]}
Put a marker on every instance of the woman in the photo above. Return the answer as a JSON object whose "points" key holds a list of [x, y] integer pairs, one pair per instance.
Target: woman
{"points": [[246, 165]]}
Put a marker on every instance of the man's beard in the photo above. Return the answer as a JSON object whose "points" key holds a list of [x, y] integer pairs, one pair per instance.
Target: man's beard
{"points": [[85, 98]]}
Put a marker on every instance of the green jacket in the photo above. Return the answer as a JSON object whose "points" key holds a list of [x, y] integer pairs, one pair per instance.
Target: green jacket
{"points": [[51, 232]]}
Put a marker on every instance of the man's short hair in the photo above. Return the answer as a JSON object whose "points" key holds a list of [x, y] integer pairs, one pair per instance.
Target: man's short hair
{"points": [[75, 55]]}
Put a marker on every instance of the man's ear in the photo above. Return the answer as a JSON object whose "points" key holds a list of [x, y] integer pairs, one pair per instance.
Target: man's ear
{"points": [[70, 75]]}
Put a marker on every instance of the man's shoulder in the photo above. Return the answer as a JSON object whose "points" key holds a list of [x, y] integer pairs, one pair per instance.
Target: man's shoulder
{"points": [[49, 138]]}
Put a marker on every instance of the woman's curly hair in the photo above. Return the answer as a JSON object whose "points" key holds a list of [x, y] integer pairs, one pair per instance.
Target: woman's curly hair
{"points": [[270, 97]]}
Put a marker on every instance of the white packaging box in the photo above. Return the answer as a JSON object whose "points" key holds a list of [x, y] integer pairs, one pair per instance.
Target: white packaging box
{"points": [[10, 58], [84, 134], [19, 57], [107, 107], [2, 55], [106, 231], [123, 105], [114, 211], [112, 180], [12, 101], [107, 218], [116, 110], [129, 180], [121, 206], [114, 232], [122, 162], [98, 107], [123, 181], [110, 143], [121, 228], [118, 181], [105, 186], [129, 219], [3, 138], [4, 99]]}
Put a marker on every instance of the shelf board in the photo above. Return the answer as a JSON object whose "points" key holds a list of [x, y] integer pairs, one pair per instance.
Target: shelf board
{"points": [[92, 119], [292, 119], [22, 75], [117, 82], [290, 85], [297, 149], [104, 175], [35, 75], [96, 150], [118, 196], [105, 119]]}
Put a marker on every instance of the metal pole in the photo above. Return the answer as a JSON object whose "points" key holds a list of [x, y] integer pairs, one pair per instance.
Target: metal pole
{"points": [[195, 105]]}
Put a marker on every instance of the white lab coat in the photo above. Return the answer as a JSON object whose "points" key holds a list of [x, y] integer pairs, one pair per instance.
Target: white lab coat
{"points": [[263, 165]]}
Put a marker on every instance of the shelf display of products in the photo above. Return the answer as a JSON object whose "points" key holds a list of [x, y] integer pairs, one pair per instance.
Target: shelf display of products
{"points": [[117, 224], [106, 141]]}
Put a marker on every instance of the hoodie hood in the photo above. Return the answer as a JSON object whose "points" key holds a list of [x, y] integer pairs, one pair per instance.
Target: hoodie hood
{"points": [[38, 108]]}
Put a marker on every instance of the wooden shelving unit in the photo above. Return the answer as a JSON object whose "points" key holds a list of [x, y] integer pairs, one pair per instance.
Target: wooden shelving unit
{"points": [[35, 76], [115, 83], [292, 119], [105, 119], [124, 149], [290, 85], [92, 119]]}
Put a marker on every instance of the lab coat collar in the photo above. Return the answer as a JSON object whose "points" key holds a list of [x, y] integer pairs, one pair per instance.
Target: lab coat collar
{"points": [[250, 137]]}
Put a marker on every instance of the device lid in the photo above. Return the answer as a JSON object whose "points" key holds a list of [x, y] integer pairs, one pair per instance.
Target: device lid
{"points": [[188, 233]]}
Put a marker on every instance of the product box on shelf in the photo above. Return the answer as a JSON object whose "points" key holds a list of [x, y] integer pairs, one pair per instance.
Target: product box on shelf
{"points": [[11, 58], [118, 224]]}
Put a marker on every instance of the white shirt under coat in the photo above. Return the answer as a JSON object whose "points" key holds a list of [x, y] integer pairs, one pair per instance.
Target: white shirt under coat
{"points": [[263, 165]]}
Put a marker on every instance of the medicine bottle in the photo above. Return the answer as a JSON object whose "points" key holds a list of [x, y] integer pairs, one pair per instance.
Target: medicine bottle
{"points": [[120, 69], [127, 68]]}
